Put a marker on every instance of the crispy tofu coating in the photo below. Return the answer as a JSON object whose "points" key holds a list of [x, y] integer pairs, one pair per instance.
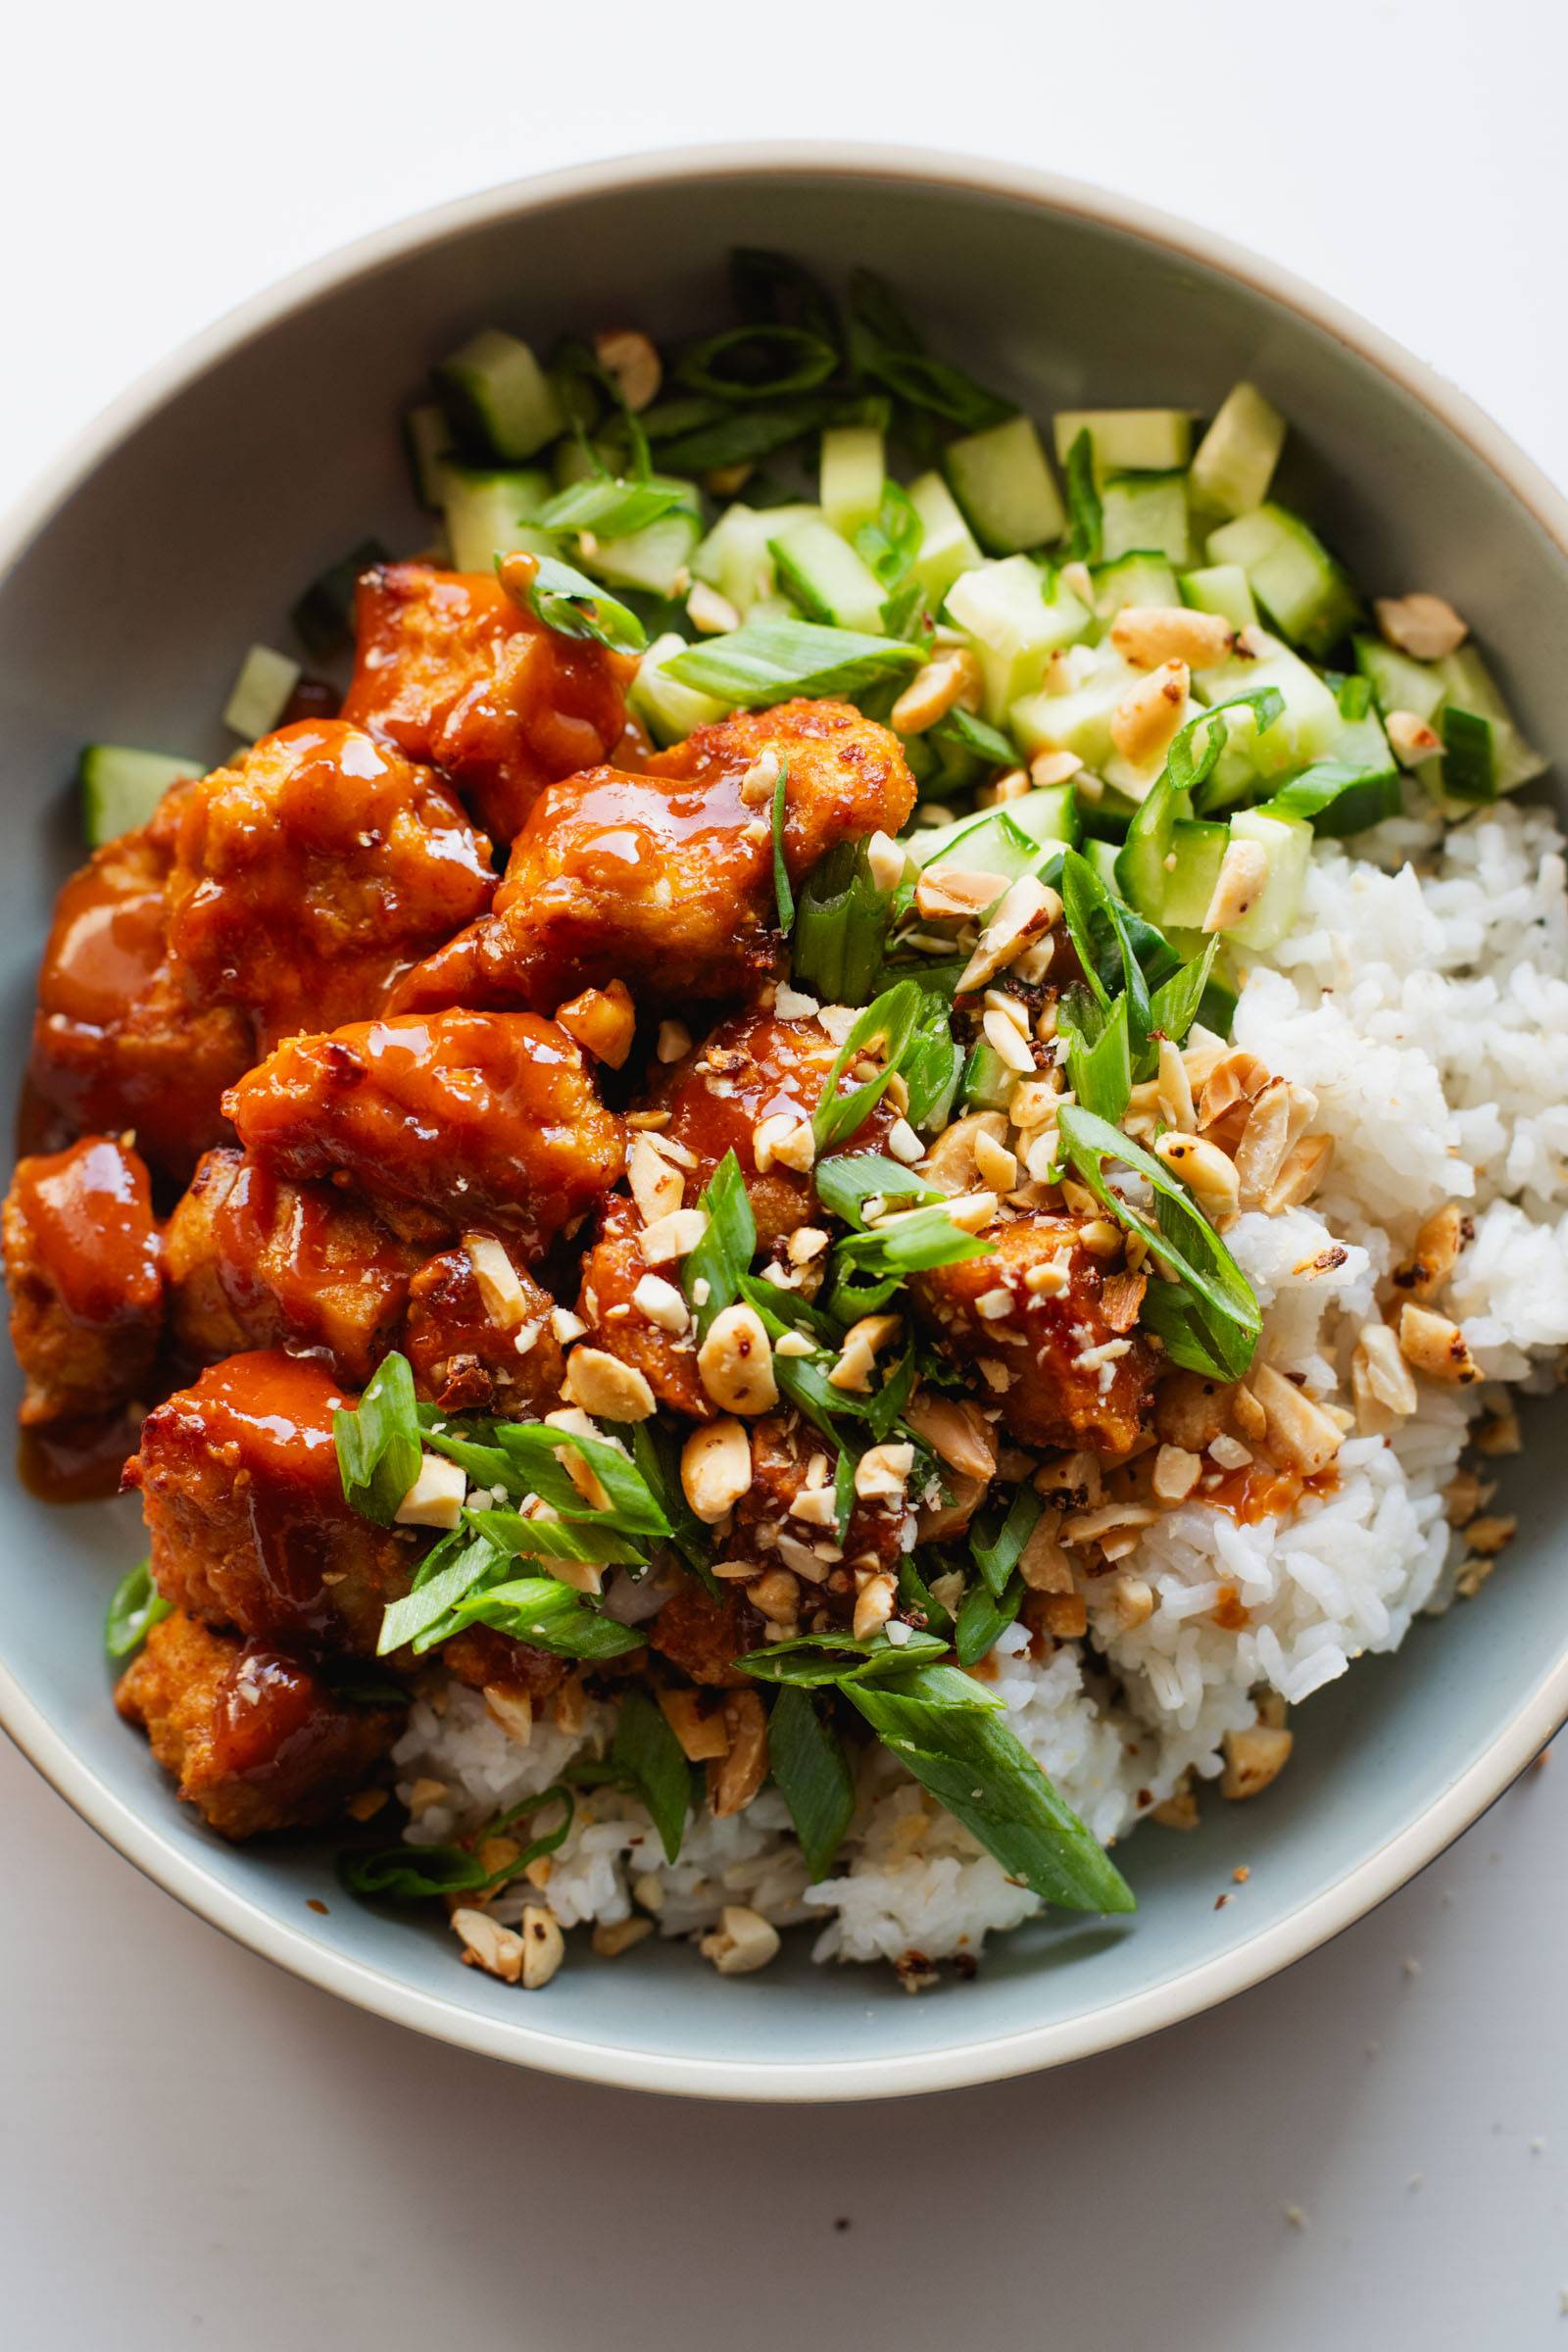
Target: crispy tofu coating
{"points": [[121, 1039], [245, 1511], [703, 1636], [440, 1122], [665, 879], [617, 1320], [483, 1346], [752, 1068], [84, 1265], [256, 1739], [312, 871], [1062, 1375], [256, 1261], [456, 674]]}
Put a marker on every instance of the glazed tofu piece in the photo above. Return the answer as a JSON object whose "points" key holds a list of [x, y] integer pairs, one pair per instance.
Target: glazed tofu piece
{"points": [[647, 1329], [479, 1334], [244, 1507], [1035, 1320], [752, 1070], [255, 1739], [255, 1262], [665, 879], [84, 1265], [439, 1123], [312, 871], [456, 674], [120, 1039]]}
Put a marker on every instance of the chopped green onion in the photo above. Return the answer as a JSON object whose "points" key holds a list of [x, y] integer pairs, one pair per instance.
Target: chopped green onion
{"points": [[1087, 536], [648, 1751], [758, 362], [770, 288], [997, 1540], [534, 1447], [549, 1615], [410, 1873], [1207, 1315], [784, 897], [816, 1660], [745, 434], [964, 732], [841, 926], [892, 1018], [984, 1615], [812, 1775], [889, 544], [712, 1271], [455, 1567], [547, 1538], [378, 1447], [767, 662], [846, 1182], [1338, 798], [868, 1267], [1174, 1006], [949, 1735], [611, 507], [567, 601], [135, 1607]]}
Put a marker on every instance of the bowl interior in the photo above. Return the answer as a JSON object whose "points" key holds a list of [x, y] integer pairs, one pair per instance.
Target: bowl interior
{"points": [[125, 619]]}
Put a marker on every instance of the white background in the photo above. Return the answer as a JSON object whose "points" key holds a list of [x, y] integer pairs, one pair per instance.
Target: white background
{"points": [[195, 2150]]}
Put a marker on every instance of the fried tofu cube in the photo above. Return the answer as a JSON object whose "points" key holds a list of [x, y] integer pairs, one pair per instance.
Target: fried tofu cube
{"points": [[245, 1512], [456, 674], [665, 879], [314, 869], [439, 1123], [1031, 1319], [84, 1265], [256, 1261], [255, 1737]]}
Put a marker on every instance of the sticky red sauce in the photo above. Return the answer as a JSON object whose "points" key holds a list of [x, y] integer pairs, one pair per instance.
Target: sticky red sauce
{"points": [[76, 1461], [1257, 1492]]}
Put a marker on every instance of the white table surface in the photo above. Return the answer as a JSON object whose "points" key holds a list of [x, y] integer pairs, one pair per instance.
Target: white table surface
{"points": [[197, 2151]]}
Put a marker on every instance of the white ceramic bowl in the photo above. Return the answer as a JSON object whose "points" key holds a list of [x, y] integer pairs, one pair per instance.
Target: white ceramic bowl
{"points": [[178, 530]]}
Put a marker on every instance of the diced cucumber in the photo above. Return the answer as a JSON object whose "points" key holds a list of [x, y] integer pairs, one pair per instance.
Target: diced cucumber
{"points": [[1017, 617], [1101, 855], [498, 398], [1236, 459], [853, 469], [260, 693], [488, 513], [1127, 440], [429, 441], [987, 1084], [670, 710], [1192, 869], [1139, 578], [826, 577], [657, 557], [1147, 512], [734, 557], [1304, 730], [1221, 588], [1398, 682], [1007, 489], [1310, 596], [1079, 721], [121, 787], [1469, 686], [1286, 843], [1048, 815], [946, 546], [987, 842]]}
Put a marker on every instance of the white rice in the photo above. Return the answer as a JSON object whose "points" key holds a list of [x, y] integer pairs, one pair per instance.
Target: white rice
{"points": [[1423, 997]]}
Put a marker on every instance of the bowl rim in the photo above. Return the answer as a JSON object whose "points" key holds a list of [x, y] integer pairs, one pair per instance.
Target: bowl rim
{"points": [[998, 2056]]}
